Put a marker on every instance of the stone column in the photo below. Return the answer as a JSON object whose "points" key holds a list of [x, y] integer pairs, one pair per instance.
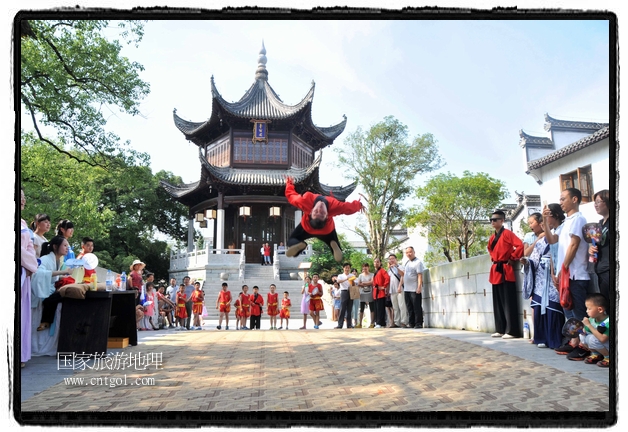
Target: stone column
{"points": [[220, 229], [298, 214], [191, 234]]}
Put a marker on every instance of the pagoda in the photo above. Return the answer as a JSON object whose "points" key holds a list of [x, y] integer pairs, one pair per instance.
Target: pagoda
{"points": [[246, 149]]}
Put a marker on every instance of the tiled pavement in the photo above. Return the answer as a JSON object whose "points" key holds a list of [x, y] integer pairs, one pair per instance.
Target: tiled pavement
{"points": [[328, 370]]}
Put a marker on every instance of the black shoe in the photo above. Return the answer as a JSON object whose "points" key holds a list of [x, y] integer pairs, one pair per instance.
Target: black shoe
{"points": [[578, 354], [564, 349]]}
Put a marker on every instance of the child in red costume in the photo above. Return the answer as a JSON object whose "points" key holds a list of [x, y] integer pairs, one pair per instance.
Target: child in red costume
{"points": [[181, 314], [245, 303], [272, 302], [316, 302], [285, 309], [317, 220], [197, 298], [257, 301], [223, 304]]}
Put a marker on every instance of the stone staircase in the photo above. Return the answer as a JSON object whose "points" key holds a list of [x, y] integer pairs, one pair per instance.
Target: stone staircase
{"points": [[261, 276]]}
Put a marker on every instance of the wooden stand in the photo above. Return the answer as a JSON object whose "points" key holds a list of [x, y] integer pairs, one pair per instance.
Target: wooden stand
{"points": [[87, 324]]}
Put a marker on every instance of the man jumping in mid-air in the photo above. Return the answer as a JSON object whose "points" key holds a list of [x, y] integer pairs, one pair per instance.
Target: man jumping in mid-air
{"points": [[317, 220]]}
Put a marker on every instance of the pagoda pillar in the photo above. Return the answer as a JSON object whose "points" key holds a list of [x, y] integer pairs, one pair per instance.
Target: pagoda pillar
{"points": [[191, 234], [298, 214], [220, 229], [220, 223]]}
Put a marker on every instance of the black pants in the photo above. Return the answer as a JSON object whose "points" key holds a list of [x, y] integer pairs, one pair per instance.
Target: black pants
{"points": [[346, 304], [506, 309], [255, 322], [188, 309], [50, 307], [380, 311], [604, 284], [414, 305], [300, 235]]}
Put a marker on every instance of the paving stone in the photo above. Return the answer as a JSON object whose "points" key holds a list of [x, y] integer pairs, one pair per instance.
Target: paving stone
{"points": [[327, 370]]}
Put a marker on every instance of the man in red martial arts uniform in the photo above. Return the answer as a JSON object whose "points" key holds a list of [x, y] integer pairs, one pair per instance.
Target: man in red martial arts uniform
{"points": [[505, 248]]}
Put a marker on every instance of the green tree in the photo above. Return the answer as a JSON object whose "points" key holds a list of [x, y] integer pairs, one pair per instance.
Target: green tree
{"points": [[385, 164], [323, 261], [72, 77], [455, 211], [120, 208]]}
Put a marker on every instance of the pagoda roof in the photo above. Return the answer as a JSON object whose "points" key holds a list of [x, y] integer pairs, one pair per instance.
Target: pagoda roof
{"points": [[571, 148], [258, 177], [552, 123], [260, 102], [272, 180]]}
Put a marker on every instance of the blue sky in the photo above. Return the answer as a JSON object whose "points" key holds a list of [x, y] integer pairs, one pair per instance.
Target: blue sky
{"points": [[472, 84]]}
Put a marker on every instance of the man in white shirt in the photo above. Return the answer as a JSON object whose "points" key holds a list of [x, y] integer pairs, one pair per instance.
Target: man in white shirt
{"points": [[412, 288], [573, 255], [345, 300], [171, 291], [572, 251], [397, 297]]}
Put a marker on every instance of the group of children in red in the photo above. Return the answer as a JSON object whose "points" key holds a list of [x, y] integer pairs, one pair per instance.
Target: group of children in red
{"points": [[250, 305], [197, 298]]}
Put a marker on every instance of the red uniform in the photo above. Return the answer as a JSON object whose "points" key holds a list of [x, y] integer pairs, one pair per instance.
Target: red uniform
{"points": [[272, 302], [197, 302], [316, 302], [181, 312], [305, 203], [224, 299], [508, 247], [380, 280], [256, 304], [246, 305], [238, 308], [285, 308]]}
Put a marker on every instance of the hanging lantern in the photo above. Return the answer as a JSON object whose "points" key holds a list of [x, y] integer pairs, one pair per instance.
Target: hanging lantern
{"points": [[210, 214], [245, 211], [203, 224], [275, 211], [200, 217]]}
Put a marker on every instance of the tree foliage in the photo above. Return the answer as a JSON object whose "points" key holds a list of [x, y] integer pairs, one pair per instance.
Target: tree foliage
{"points": [[385, 164], [323, 261], [122, 209], [455, 211], [72, 78]]}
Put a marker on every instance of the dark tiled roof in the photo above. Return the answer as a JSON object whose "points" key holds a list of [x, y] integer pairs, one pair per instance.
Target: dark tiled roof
{"points": [[181, 190], [531, 139], [552, 123], [571, 148], [261, 102], [259, 177], [333, 131], [187, 127]]}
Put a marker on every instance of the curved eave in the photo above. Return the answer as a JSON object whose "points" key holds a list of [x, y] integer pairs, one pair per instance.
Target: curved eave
{"points": [[261, 102], [187, 127], [333, 132], [525, 139], [571, 148], [552, 123], [179, 191], [339, 192], [259, 177]]}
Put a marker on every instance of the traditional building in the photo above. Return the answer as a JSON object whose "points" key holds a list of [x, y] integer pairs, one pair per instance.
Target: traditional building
{"points": [[576, 154], [246, 149]]}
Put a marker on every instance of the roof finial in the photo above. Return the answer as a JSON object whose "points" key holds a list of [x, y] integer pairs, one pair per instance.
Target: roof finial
{"points": [[261, 72]]}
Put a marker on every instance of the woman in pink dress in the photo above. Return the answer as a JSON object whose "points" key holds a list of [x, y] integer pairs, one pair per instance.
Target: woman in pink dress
{"points": [[29, 266]]}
